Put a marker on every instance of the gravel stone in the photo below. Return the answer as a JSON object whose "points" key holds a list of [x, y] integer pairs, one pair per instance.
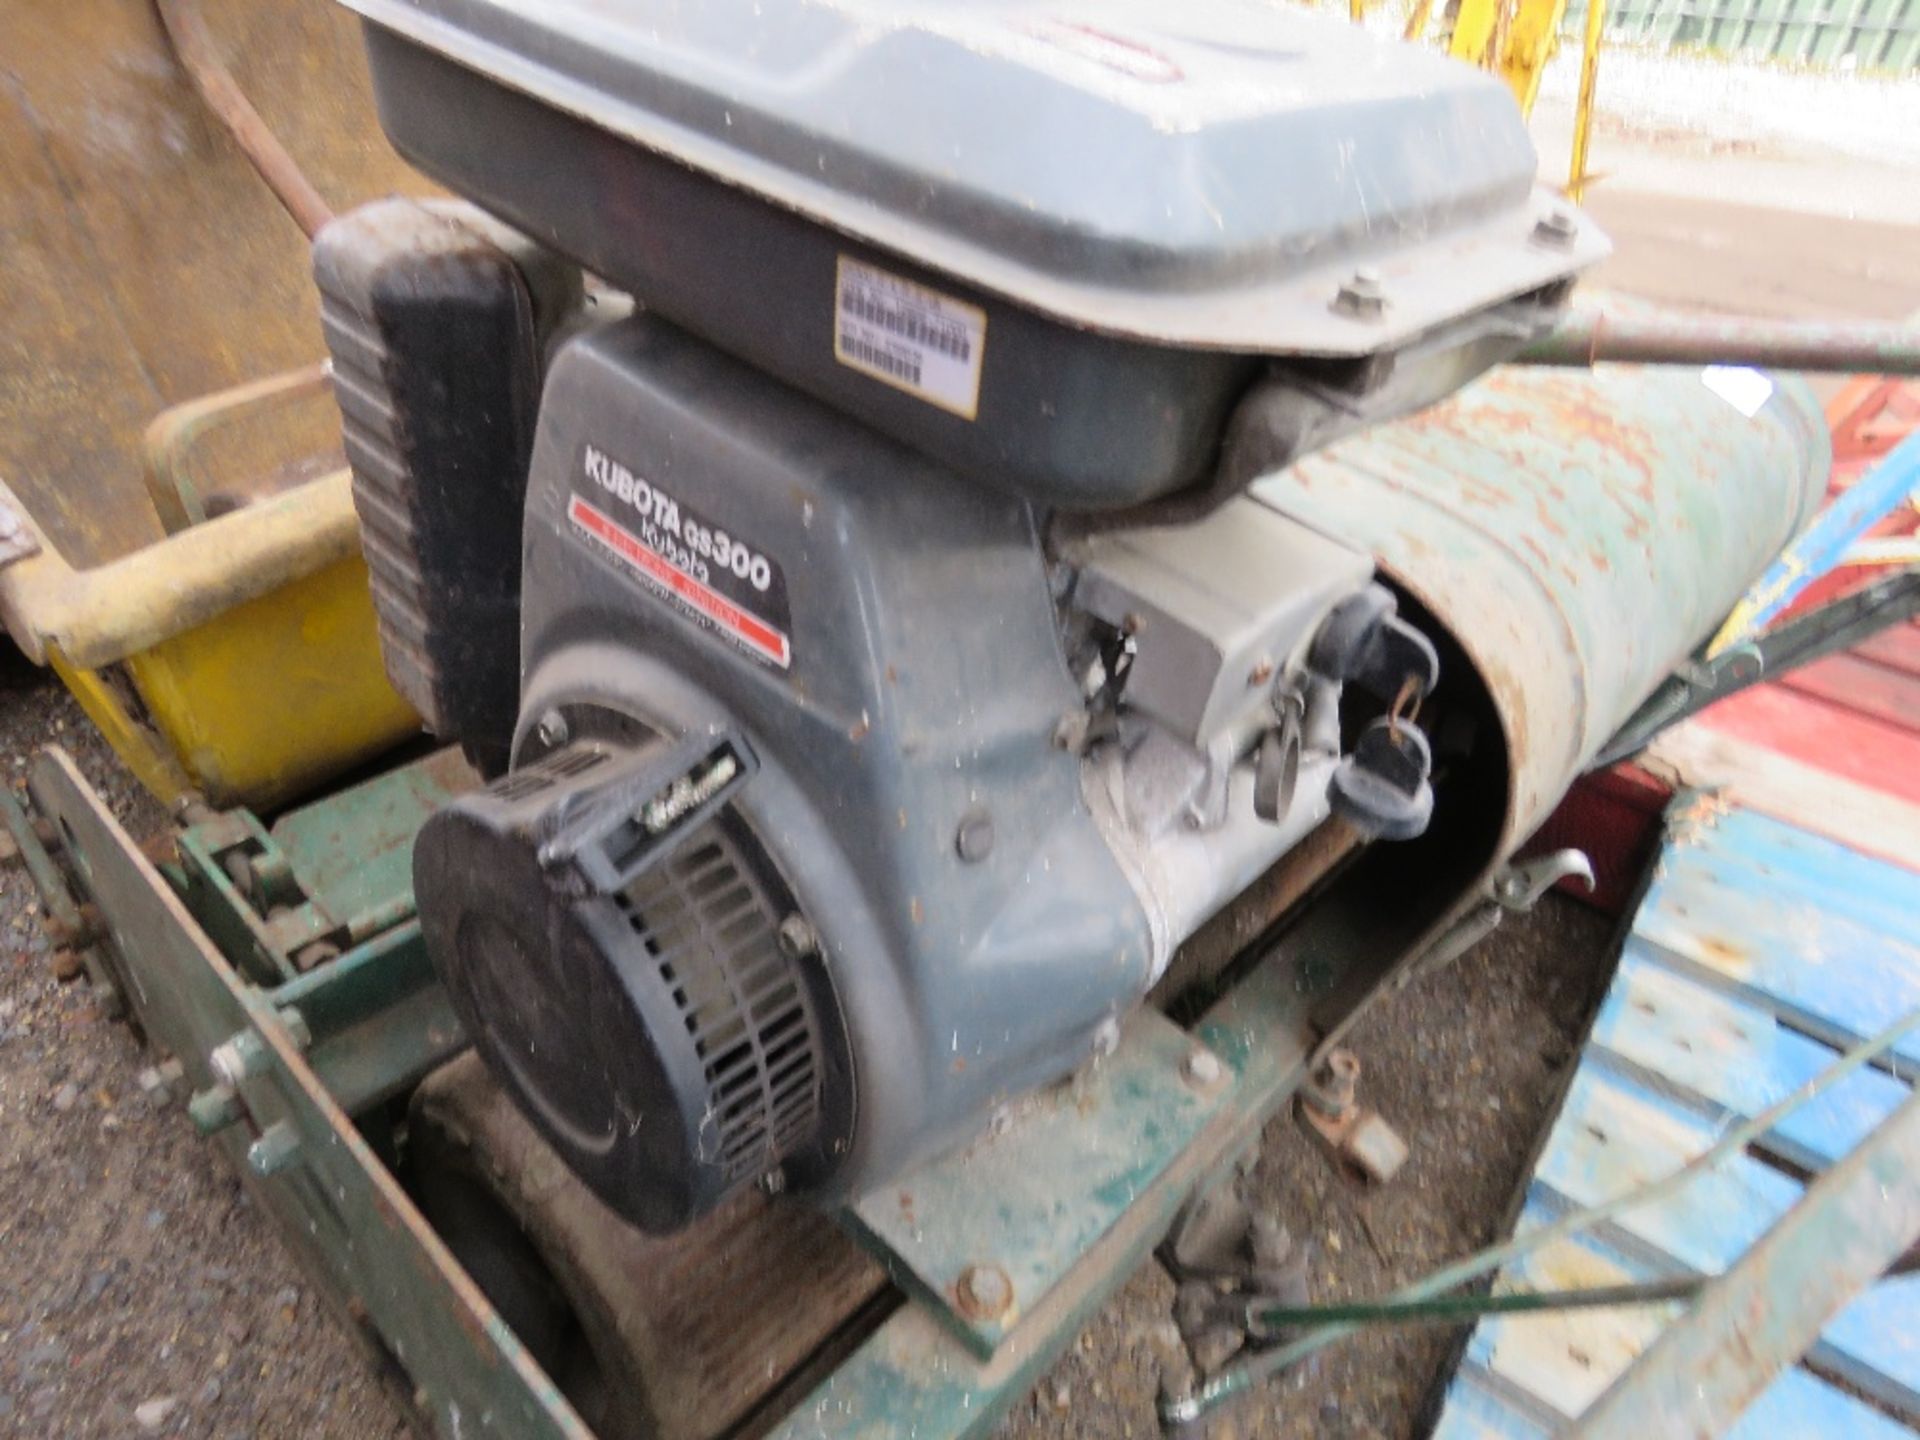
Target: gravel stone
{"points": [[152, 1414]]}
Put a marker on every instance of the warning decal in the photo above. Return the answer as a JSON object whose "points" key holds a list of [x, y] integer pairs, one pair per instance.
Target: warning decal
{"points": [[913, 338], [725, 582]]}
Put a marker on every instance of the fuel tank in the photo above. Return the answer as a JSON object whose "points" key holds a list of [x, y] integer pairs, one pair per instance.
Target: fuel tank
{"points": [[1577, 534]]}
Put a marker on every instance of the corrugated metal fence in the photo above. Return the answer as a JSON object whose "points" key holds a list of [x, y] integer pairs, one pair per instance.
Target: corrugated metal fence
{"points": [[1865, 34]]}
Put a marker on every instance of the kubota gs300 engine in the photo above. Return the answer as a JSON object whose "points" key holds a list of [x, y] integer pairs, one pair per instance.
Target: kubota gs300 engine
{"points": [[851, 589]]}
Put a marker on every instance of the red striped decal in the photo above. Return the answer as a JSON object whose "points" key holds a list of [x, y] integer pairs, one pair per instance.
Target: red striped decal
{"points": [[749, 629]]}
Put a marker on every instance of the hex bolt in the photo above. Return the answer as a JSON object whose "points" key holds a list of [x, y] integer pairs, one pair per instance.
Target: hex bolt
{"points": [[237, 1057], [1557, 228], [797, 938], [214, 1108], [974, 838], [552, 729], [1335, 1093], [1202, 1068], [984, 1292], [276, 1149], [1362, 297]]}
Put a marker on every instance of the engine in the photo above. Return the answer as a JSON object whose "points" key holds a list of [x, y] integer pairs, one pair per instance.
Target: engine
{"points": [[853, 591]]}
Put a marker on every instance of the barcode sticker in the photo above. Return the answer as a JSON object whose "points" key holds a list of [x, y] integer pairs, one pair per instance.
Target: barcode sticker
{"points": [[910, 337]]}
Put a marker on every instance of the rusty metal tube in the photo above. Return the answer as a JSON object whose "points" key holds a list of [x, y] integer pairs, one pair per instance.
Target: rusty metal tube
{"points": [[96, 617], [1591, 337], [1578, 534], [194, 47]]}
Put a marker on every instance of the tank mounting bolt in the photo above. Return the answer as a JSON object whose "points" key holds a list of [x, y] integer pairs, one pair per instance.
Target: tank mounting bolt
{"points": [[1202, 1069], [552, 729], [214, 1108], [984, 1292], [1556, 228], [974, 838], [1362, 297]]}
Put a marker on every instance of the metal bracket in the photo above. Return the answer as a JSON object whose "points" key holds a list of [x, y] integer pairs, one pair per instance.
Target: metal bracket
{"points": [[285, 1121], [1515, 890]]}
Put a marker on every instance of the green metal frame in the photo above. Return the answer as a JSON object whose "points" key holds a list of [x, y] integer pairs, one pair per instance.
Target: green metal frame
{"points": [[288, 1056], [294, 1062]]}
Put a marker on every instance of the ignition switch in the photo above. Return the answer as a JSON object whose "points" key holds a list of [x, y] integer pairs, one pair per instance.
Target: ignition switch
{"points": [[1382, 787], [1365, 642]]}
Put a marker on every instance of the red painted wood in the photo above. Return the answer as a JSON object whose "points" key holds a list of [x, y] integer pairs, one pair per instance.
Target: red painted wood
{"points": [[1898, 647], [1863, 686], [1840, 741]]}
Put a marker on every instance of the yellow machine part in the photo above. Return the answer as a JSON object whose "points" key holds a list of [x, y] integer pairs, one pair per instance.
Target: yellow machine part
{"points": [[1514, 38], [260, 704], [277, 694], [146, 267]]}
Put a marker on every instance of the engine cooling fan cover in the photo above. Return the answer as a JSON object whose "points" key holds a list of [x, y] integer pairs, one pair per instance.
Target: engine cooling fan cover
{"points": [[631, 986]]}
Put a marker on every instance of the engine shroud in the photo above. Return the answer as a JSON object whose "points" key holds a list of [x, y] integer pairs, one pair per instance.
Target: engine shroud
{"points": [[632, 974]]}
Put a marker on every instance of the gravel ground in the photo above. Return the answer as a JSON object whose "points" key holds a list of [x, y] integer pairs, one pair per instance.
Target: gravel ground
{"points": [[140, 1293]]}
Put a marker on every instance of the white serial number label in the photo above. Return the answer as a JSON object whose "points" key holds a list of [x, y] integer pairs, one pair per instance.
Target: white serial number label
{"points": [[909, 337]]}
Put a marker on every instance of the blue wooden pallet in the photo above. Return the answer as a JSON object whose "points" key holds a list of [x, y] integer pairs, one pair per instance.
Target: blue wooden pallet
{"points": [[1758, 949]]}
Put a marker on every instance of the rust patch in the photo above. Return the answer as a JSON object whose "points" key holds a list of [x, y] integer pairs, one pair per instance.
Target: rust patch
{"points": [[1724, 954]]}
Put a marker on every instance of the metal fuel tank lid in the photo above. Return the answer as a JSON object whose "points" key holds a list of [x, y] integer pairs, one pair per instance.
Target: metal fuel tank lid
{"points": [[1207, 175]]}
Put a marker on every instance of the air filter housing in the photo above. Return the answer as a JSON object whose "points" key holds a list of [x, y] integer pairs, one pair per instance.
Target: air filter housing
{"points": [[1047, 242], [633, 970]]}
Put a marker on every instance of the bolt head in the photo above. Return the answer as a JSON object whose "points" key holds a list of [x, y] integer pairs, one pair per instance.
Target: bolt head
{"points": [[984, 1292], [276, 1149], [797, 937], [1362, 297], [1203, 1068], [1556, 228], [974, 839], [213, 1109], [552, 729]]}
